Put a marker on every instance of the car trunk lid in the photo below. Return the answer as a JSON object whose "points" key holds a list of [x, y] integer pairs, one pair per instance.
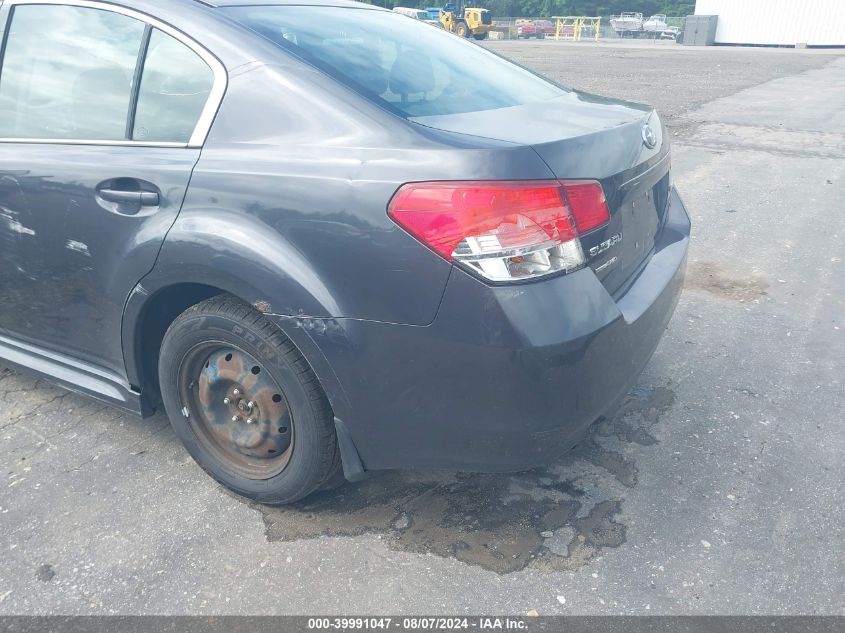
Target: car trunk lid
{"points": [[583, 137]]}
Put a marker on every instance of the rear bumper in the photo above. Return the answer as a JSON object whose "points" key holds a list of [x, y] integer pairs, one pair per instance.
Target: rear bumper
{"points": [[506, 377]]}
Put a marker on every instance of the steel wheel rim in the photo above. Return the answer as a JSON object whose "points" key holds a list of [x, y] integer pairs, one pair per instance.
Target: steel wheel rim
{"points": [[236, 409]]}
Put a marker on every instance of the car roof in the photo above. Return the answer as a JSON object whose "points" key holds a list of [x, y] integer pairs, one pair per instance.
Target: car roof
{"points": [[314, 3]]}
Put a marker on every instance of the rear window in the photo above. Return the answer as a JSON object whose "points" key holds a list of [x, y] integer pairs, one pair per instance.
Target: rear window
{"points": [[414, 67]]}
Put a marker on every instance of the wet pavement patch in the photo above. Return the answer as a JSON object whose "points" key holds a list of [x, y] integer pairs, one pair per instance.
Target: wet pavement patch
{"points": [[632, 423], [45, 573], [547, 518], [710, 278]]}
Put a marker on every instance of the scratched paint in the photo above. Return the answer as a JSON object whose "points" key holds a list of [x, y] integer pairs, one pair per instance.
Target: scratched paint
{"points": [[78, 247], [17, 227]]}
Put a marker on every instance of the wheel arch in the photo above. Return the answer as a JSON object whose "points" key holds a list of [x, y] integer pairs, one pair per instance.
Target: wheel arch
{"points": [[146, 318], [216, 251], [148, 315], [153, 305]]}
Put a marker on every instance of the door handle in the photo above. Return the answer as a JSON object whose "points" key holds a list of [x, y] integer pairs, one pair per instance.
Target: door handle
{"points": [[142, 198]]}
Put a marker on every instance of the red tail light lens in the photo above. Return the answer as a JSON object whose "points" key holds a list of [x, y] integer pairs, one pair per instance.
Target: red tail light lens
{"points": [[501, 229], [588, 205]]}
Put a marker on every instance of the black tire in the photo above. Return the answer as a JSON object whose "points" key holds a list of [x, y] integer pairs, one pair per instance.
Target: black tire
{"points": [[334, 481], [462, 30], [481, 36], [303, 415], [541, 36]]}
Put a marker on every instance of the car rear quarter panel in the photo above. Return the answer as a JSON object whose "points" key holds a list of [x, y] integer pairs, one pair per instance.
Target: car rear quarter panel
{"points": [[287, 206], [288, 203]]}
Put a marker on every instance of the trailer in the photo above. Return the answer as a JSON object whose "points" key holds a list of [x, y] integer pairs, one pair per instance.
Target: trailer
{"points": [[627, 23], [631, 24]]}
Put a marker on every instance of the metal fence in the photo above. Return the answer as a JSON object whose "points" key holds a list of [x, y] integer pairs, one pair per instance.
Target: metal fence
{"points": [[573, 28]]}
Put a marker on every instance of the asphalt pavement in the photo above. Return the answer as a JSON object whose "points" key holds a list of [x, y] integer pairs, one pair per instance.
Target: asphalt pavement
{"points": [[717, 488]]}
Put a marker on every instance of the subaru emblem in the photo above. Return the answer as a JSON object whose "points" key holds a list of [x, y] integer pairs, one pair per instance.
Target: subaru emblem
{"points": [[649, 137]]}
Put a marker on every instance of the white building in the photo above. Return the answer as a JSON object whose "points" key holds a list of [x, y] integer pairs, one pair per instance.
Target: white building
{"points": [[777, 22]]}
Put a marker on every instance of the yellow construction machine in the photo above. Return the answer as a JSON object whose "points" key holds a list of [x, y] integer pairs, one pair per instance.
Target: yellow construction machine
{"points": [[466, 21]]}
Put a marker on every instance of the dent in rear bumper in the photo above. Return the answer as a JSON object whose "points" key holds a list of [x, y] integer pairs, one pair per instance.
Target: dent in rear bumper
{"points": [[505, 377]]}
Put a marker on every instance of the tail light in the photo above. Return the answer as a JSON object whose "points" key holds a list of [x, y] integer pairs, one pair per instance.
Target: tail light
{"points": [[503, 230]]}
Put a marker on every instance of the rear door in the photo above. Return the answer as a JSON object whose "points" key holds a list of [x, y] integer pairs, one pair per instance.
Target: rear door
{"points": [[102, 115]]}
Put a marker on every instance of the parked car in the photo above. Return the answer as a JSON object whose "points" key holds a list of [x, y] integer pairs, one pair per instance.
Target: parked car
{"points": [[547, 27], [540, 29], [433, 14], [325, 239], [528, 29], [416, 14]]}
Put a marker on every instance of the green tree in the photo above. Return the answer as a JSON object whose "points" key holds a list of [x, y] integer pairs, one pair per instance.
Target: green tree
{"points": [[545, 8]]}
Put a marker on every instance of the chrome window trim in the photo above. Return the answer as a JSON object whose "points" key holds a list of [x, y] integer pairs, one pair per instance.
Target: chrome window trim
{"points": [[73, 141], [212, 105]]}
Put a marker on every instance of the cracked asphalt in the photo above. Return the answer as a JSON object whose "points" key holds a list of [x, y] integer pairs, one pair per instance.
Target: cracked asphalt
{"points": [[716, 489]]}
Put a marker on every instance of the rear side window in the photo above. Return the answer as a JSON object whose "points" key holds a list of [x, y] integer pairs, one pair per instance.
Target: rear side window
{"points": [[409, 65], [67, 73], [88, 74], [175, 85]]}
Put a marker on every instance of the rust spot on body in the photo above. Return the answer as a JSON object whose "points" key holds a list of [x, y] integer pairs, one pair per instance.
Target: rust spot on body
{"points": [[263, 307]]}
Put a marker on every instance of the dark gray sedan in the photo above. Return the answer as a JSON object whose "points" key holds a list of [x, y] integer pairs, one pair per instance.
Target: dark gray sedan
{"points": [[326, 238]]}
